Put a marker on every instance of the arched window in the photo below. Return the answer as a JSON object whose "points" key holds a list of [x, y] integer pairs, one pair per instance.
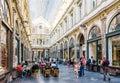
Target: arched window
{"points": [[94, 32], [114, 24], [65, 45], [71, 42], [61, 47]]}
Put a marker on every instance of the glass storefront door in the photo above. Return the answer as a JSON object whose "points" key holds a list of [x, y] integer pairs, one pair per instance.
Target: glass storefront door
{"points": [[95, 50]]}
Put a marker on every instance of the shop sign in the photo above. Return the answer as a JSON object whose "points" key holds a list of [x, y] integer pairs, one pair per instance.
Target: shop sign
{"points": [[83, 47]]}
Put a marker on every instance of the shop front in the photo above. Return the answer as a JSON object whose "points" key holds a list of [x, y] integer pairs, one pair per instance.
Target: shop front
{"points": [[81, 47], [71, 50], [61, 52], [113, 44], [6, 49], [94, 46], [66, 50]]}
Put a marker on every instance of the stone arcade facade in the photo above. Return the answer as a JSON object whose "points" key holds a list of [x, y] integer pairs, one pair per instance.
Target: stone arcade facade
{"points": [[95, 34]]}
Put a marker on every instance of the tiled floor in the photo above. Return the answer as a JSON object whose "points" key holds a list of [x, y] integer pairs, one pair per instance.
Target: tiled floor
{"points": [[67, 76]]}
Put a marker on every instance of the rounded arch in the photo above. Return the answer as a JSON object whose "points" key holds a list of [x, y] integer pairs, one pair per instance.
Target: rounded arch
{"points": [[61, 46], [114, 23], [71, 42], [8, 3], [110, 17], [79, 37], [94, 32], [61, 51], [65, 45]]}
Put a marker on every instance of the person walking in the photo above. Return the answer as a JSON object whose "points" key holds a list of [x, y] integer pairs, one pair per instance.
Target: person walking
{"points": [[82, 66], [76, 68], [105, 64]]}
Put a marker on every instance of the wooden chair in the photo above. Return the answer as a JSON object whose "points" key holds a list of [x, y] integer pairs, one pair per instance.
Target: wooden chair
{"points": [[47, 72], [35, 73]]}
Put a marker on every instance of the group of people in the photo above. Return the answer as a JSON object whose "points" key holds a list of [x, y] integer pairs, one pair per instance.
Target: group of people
{"points": [[49, 64], [21, 68], [80, 65], [24, 68]]}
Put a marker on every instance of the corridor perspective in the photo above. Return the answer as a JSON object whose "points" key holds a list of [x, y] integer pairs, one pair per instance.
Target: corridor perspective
{"points": [[59, 41]]}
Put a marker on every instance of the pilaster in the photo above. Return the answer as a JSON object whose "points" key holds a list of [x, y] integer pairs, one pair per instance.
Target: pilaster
{"points": [[74, 14], [103, 35], [75, 47], [20, 54], [67, 21], [77, 14]]}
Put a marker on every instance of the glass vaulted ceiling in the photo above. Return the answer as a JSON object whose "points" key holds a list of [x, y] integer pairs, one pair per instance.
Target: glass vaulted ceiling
{"points": [[45, 8]]}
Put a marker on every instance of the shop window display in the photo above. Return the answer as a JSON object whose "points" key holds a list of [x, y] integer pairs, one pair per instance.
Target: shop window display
{"points": [[94, 44], [114, 41], [4, 51], [6, 12]]}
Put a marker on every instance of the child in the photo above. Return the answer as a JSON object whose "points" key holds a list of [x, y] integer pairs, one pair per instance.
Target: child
{"points": [[76, 68]]}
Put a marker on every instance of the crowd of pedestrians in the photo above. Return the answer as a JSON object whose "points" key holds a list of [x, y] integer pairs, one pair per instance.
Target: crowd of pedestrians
{"points": [[89, 64], [79, 66]]}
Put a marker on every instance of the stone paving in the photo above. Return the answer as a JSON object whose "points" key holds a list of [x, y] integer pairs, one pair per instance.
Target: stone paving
{"points": [[67, 76]]}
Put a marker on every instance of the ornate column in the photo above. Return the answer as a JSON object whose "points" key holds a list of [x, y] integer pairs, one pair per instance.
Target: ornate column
{"points": [[20, 45], [85, 8], [63, 51], [77, 14], [74, 14], [103, 35], [67, 21], [75, 42], [68, 49]]}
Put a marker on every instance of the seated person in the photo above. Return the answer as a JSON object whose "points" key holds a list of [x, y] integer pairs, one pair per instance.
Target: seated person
{"points": [[42, 64], [21, 70], [35, 66], [54, 65]]}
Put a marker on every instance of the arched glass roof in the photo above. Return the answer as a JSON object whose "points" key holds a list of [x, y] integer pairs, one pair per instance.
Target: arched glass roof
{"points": [[50, 10], [45, 8]]}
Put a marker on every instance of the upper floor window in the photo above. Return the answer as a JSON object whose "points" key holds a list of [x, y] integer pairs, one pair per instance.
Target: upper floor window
{"points": [[6, 12], [71, 15], [65, 25], [94, 3], [17, 28], [80, 9]]}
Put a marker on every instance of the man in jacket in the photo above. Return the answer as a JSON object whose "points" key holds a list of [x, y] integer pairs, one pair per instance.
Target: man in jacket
{"points": [[105, 64]]}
